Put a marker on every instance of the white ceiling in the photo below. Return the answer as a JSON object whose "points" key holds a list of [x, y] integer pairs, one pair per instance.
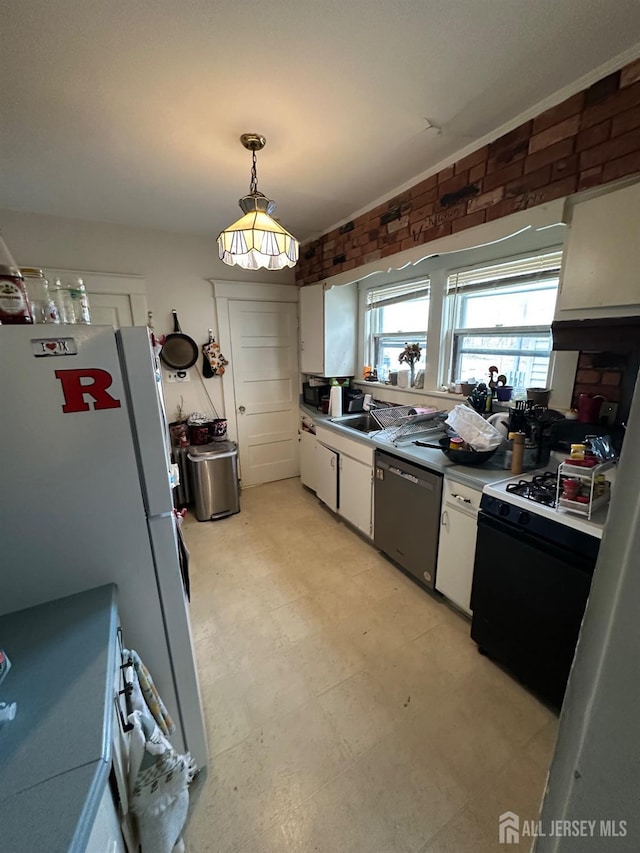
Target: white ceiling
{"points": [[130, 111]]}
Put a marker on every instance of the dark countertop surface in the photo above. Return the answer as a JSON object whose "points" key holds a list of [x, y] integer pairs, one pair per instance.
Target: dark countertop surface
{"points": [[55, 755], [474, 476]]}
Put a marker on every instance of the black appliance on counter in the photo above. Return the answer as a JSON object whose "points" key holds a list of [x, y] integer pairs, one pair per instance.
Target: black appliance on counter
{"points": [[312, 394], [531, 582], [406, 527], [352, 398]]}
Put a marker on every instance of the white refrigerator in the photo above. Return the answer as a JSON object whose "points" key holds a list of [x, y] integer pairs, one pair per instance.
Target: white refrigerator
{"points": [[85, 494]]}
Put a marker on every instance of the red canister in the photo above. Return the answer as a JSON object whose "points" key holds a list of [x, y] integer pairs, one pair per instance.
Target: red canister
{"points": [[199, 434], [589, 406]]}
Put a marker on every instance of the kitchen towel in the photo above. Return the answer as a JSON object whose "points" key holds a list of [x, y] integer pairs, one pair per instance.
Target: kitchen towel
{"points": [[144, 690], [159, 778], [335, 401]]}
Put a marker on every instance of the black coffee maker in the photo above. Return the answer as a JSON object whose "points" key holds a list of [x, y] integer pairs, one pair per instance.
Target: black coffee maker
{"points": [[352, 400]]}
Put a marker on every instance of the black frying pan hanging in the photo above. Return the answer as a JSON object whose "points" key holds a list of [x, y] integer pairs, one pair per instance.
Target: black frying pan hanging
{"points": [[179, 351]]}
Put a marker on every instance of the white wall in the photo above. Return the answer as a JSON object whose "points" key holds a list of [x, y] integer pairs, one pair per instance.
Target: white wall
{"points": [[175, 266]]}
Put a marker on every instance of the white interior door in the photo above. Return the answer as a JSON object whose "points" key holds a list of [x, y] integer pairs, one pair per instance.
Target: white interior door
{"points": [[264, 344], [110, 310]]}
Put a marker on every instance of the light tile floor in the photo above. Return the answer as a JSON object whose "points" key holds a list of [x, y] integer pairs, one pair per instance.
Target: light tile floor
{"points": [[348, 711]]}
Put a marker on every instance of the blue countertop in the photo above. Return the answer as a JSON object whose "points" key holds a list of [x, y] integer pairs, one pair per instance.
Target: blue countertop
{"points": [[55, 756], [469, 475]]}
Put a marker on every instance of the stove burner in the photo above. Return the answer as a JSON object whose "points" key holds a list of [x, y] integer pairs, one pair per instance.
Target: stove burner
{"points": [[541, 489]]}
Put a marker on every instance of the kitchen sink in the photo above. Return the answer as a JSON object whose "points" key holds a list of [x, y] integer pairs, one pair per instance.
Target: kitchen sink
{"points": [[362, 422]]}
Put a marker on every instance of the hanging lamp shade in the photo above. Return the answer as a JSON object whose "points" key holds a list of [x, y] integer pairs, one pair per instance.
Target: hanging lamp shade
{"points": [[256, 240]]}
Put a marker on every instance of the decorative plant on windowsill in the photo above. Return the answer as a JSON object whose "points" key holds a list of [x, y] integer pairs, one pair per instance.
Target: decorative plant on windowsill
{"points": [[410, 354]]}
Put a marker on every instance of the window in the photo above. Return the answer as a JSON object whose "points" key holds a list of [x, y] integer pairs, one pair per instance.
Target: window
{"points": [[397, 314], [501, 315]]}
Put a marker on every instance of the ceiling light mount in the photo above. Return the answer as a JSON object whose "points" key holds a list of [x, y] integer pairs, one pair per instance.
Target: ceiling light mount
{"points": [[253, 141], [256, 240]]}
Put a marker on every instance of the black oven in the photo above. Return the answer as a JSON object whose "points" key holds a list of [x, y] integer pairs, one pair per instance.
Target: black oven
{"points": [[531, 582]]}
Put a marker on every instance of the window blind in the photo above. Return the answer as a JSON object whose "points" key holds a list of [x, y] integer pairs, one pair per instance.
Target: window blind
{"points": [[524, 270], [392, 294]]}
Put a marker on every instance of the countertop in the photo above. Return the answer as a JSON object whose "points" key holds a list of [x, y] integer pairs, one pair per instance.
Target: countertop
{"points": [[468, 475], [56, 754]]}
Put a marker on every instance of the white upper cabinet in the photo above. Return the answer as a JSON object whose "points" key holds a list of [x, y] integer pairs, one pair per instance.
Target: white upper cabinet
{"points": [[601, 266], [328, 327]]}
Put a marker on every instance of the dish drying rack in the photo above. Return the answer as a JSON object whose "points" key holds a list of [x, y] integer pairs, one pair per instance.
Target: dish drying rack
{"points": [[399, 425]]}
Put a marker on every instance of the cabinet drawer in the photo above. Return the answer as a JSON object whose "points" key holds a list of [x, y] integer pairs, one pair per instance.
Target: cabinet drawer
{"points": [[464, 497]]}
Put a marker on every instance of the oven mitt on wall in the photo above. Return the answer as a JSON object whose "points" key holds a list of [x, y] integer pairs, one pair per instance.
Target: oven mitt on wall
{"points": [[213, 363], [206, 364]]}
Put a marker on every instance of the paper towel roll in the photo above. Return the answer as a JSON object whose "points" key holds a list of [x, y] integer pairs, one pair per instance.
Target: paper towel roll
{"points": [[335, 401]]}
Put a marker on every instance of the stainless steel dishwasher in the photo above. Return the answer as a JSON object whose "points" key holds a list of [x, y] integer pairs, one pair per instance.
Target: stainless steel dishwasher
{"points": [[407, 502]]}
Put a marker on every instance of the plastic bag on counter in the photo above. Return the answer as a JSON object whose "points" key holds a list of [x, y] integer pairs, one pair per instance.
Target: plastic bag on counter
{"points": [[473, 429], [601, 447]]}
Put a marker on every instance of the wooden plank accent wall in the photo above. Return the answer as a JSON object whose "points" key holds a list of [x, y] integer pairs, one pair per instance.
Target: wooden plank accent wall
{"points": [[590, 139]]}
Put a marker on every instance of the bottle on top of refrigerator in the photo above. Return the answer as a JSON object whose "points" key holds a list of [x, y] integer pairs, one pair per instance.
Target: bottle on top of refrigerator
{"points": [[43, 307], [14, 304], [64, 303], [80, 300]]}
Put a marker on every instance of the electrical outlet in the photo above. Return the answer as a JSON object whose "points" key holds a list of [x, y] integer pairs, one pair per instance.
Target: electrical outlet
{"points": [[177, 376], [610, 412]]}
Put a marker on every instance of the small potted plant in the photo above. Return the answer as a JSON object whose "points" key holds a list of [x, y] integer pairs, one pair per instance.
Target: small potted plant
{"points": [[409, 355]]}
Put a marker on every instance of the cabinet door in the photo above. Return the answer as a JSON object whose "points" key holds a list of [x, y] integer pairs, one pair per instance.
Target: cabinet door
{"points": [[312, 329], [456, 552], [308, 459], [602, 256], [106, 836], [355, 493], [340, 330], [326, 471]]}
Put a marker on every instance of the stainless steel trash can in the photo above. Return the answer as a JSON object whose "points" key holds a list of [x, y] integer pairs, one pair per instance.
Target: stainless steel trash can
{"points": [[214, 479]]}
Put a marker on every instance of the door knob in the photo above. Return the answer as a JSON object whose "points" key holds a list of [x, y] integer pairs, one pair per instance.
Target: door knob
{"points": [[242, 410]]}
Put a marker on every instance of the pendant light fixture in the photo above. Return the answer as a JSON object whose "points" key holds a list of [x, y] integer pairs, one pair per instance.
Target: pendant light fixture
{"points": [[256, 240]]}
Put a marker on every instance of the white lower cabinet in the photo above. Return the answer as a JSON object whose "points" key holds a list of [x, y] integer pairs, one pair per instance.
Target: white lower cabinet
{"points": [[355, 493], [344, 471], [106, 836], [457, 545], [308, 446], [326, 472]]}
